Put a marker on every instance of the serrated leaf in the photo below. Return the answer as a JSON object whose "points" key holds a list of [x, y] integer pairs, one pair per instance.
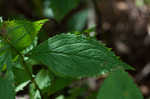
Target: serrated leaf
{"points": [[21, 33], [6, 55], [61, 7], [76, 56], [119, 86], [6, 89], [43, 80]]}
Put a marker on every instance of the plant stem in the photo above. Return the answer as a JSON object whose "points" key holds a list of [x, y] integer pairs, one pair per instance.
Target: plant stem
{"points": [[24, 65], [30, 74]]}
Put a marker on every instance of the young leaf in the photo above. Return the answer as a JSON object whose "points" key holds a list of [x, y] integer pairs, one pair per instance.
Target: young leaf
{"points": [[43, 80], [119, 86], [61, 7], [60, 97], [21, 86], [21, 33], [6, 89], [34, 93], [76, 56]]}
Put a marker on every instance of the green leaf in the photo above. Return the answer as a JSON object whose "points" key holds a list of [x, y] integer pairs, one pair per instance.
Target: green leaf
{"points": [[77, 22], [34, 93], [147, 2], [43, 80], [62, 7], [32, 45], [20, 75], [76, 56], [92, 95], [139, 3], [6, 89], [77, 91], [60, 97], [119, 86], [21, 86], [21, 33], [1, 20], [6, 55], [58, 84]]}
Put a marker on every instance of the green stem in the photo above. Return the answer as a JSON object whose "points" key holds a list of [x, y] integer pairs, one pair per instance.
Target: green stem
{"points": [[24, 65]]}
